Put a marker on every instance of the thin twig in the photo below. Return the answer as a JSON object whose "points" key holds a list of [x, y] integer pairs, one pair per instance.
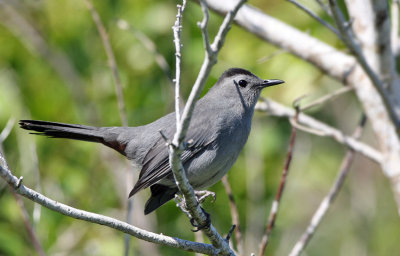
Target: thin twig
{"points": [[328, 200], [119, 92], [270, 56], [26, 30], [7, 129], [149, 45], [275, 205], [316, 17], [28, 225], [324, 7], [177, 144], [111, 61], [25, 216], [31, 194], [395, 27], [177, 28], [276, 109], [326, 98], [234, 215]]}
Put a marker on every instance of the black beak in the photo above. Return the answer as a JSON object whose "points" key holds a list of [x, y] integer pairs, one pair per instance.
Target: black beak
{"points": [[271, 82]]}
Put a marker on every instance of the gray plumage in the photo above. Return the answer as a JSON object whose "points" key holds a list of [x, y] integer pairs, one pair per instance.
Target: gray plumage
{"points": [[218, 130]]}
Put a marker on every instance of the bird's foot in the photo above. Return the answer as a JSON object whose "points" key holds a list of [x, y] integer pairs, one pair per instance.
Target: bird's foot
{"points": [[206, 224], [202, 195], [180, 202]]}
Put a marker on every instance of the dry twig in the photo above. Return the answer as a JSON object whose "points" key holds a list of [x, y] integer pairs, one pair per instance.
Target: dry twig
{"points": [[111, 61], [275, 204], [328, 200], [234, 215], [316, 17], [174, 242], [276, 109], [177, 146]]}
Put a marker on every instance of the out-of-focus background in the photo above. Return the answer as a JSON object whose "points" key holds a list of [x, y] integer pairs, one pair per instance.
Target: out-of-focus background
{"points": [[53, 67]]}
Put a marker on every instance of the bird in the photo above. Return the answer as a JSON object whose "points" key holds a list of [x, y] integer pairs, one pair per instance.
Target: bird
{"points": [[219, 128]]}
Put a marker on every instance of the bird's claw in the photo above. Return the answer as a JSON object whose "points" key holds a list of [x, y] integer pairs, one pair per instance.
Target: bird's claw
{"points": [[203, 226], [202, 195]]}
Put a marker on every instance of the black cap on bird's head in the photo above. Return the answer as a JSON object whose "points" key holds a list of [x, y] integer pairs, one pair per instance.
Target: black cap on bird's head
{"points": [[260, 84]]}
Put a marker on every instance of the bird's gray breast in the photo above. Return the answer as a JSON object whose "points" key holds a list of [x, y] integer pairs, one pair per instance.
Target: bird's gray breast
{"points": [[209, 166]]}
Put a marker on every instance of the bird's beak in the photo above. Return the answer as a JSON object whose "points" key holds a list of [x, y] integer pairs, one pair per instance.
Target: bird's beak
{"points": [[271, 82]]}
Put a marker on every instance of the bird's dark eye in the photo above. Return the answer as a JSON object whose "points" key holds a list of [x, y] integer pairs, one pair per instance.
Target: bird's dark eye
{"points": [[243, 83]]}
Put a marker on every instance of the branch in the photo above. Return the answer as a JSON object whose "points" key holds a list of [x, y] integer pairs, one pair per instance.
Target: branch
{"points": [[209, 61], [25, 216], [275, 204], [276, 109], [384, 53], [326, 98], [234, 214], [182, 126], [149, 45], [111, 61], [6, 130], [177, 28], [26, 30], [28, 225], [335, 64], [324, 7], [395, 27], [174, 242], [328, 200], [328, 59], [354, 47], [316, 17]]}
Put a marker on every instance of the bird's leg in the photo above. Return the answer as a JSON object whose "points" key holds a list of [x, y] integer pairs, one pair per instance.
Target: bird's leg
{"points": [[180, 202], [202, 195]]}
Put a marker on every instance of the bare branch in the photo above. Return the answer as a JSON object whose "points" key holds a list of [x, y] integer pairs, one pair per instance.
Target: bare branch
{"points": [[395, 27], [174, 242], [335, 64], [6, 130], [234, 215], [353, 45], [275, 204], [316, 17], [385, 56], [324, 7], [26, 31], [276, 109], [326, 98], [111, 61], [177, 144], [177, 28], [25, 216], [28, 225], [210, 59], [328, 200], [150, 46]]}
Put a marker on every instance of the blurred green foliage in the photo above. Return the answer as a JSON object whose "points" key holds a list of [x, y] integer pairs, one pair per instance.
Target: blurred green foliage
{"points": [[60, 73]]}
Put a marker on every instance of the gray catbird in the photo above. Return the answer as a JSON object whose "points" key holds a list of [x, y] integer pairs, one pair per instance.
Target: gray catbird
{"points": [[218, 130]]}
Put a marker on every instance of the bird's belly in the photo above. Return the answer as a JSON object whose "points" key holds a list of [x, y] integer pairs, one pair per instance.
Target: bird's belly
{"points": [[207, 169]]}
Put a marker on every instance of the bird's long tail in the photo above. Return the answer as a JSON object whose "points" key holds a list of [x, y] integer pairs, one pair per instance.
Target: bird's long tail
{"points": [[75, 132], [61, 130]]}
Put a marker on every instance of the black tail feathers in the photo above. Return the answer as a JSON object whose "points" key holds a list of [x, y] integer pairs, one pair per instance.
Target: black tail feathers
{"points": [[62, 130]]}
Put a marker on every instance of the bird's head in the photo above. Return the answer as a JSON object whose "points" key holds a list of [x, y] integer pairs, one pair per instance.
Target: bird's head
{"points": [[238, 83]]}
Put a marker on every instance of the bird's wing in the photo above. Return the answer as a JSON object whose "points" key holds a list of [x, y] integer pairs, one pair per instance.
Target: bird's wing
{"points": [[156, 162]]}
